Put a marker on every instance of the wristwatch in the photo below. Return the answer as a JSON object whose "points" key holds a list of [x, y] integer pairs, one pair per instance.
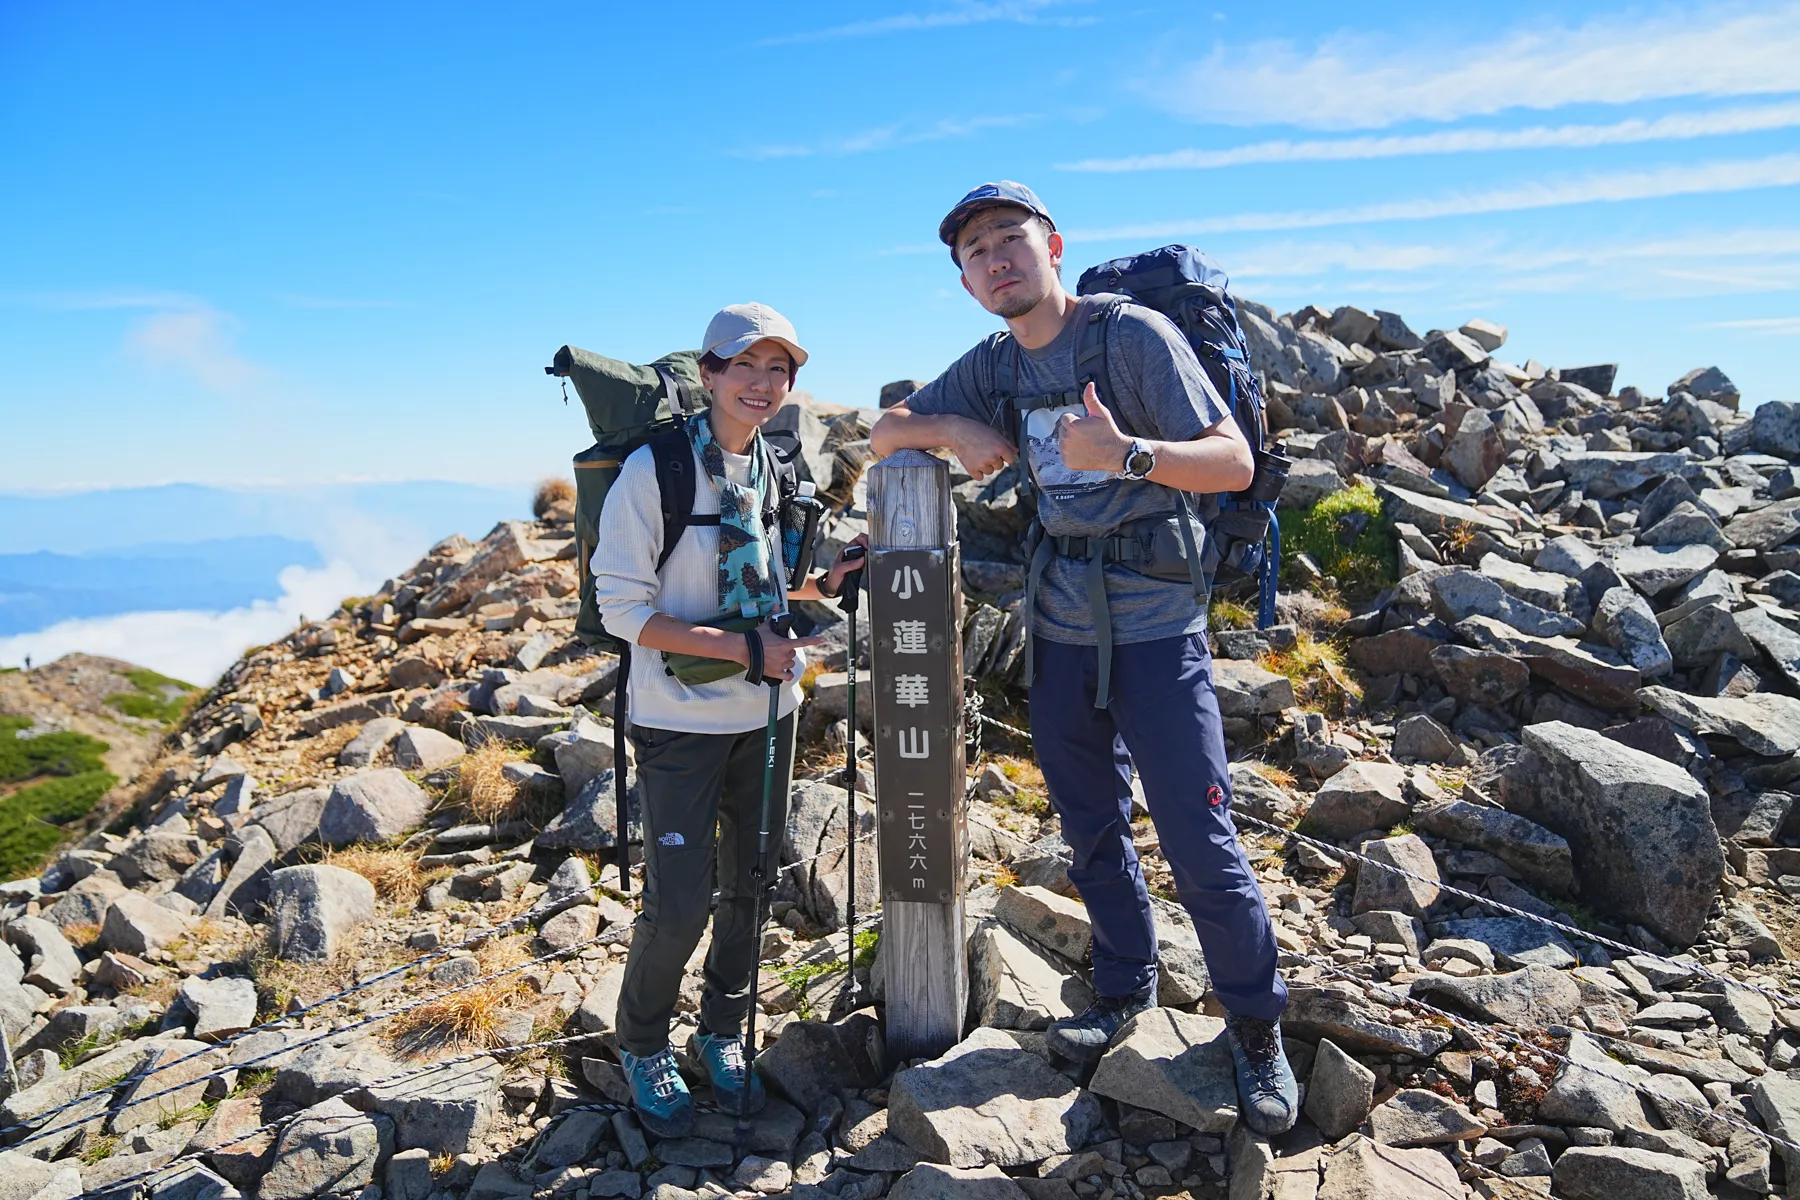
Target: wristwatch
{"points": [[1140, 460]]}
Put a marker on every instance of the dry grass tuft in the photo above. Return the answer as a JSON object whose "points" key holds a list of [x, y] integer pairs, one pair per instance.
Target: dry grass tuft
{"points": [[550, 493], [395, 873], [471, 1017], [481, 786], [1317, 670], [82, 935], [1276, 775]]}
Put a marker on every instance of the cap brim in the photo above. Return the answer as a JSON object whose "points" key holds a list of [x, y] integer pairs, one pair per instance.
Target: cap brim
{"points": [[737, 346]]}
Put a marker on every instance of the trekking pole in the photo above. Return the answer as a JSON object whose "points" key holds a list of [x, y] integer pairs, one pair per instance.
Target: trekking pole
{"points": [[849, 600], [620, 800], [757, 873]]}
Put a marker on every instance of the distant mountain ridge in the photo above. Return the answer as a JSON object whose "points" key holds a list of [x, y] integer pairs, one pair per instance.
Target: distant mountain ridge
{"points": [[39, 589]]}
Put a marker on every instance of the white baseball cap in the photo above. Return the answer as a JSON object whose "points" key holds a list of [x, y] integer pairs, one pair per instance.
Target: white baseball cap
{"points": [[737, 327]]}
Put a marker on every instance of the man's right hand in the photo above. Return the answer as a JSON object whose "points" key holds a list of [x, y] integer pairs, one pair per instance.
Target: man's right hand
{"points": [[982, 449]]}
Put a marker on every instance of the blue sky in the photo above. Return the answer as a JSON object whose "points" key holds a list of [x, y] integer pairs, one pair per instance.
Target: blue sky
{"points": [[249, 244]]}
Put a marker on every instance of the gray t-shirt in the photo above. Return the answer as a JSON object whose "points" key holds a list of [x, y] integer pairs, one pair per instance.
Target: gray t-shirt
{"points": [[1158, 390]]}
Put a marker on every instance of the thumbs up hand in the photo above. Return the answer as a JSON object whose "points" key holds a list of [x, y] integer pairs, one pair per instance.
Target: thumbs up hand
{"points": [[1093, 442]]}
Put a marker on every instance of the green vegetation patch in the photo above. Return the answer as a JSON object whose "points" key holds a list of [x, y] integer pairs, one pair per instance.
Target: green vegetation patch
{"points": [[32, 818], [1345, 535], [157, 698]]}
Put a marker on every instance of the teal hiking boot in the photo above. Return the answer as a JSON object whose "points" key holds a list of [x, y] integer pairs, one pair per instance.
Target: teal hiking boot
{"points": [[1085, 1038], [1267, 1091], [723, 1058], [659, 1093]]}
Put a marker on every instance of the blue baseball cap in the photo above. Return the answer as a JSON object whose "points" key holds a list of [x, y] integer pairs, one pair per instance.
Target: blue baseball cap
{"points": [[989, 195]]}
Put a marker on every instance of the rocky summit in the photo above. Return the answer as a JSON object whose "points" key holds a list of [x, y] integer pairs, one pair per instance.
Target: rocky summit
{"points": [[1516, 766]]}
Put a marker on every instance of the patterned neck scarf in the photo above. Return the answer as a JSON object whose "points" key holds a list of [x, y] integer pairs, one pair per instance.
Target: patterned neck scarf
{"points": [[745, 584]]}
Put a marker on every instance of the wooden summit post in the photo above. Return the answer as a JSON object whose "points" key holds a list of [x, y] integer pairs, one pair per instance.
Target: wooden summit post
{"points": [[915, 614]]}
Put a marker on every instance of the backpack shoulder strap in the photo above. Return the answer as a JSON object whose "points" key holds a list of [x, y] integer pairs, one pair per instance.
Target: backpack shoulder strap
{"points": [[674, 458]]}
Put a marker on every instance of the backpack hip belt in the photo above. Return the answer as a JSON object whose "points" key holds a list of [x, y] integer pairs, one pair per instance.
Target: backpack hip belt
{"points": [[1160, 547]]}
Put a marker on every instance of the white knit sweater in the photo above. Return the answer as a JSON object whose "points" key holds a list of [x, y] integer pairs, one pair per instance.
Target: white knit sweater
{"points": [[628, 591]]}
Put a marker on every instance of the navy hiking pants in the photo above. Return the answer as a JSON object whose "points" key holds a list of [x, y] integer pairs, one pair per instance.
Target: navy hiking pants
{"points": [[1164, 718]]}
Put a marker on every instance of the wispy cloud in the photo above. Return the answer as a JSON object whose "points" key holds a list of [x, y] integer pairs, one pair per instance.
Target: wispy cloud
{"points": [[1690, 179], [1358, 81], [1674, 127], [1020, 12], [296, 300], [889, 137], [199, 342], [102, 299], [1776, 326]]}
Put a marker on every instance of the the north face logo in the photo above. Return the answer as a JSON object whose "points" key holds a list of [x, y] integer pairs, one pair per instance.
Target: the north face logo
{"points": [[671, 839], [1215, 795]]}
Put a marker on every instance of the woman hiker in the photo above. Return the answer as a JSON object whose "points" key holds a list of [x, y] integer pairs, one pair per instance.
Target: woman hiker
{"points": [[701, 746]]}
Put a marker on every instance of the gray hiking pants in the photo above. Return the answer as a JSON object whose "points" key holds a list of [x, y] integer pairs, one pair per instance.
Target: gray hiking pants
{"points": [[702, 796]]}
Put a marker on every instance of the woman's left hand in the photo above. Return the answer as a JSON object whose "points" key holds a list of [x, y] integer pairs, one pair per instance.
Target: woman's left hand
{"points": [[844, 566]]}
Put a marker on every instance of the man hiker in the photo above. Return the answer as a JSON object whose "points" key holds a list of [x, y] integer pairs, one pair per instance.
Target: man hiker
{"points": [[1101, 458]]}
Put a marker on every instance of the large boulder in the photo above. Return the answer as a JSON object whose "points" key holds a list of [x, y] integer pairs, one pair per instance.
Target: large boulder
{"points": [[330, 1149], [1764, 723], [1015, 985], [1339, 1093], [312, 909], [138, 925], [1359, 1169], [1362, 796], [372, 806], [812, 1059], [985, 1100], [1541, 856], [1562, 661], [446, 1110], [1615, 1172], [1640, 829], [1173, 1063], [1530, 998], [1411, 893]]}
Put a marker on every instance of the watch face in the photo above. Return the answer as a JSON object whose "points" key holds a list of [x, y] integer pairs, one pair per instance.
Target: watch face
{"points": [[1140, 462]]}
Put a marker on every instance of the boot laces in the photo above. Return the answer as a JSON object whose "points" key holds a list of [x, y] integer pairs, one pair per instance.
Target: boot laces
{"points": [[1260, 1047], [730, 1052], [662, 1073]]}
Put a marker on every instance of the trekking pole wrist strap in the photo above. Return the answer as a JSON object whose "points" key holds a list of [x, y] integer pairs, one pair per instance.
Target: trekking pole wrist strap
{"points": [[753, 670]]}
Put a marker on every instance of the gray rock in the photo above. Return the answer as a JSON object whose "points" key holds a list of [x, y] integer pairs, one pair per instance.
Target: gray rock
{"points": [[1530, 998], [1175, 1064], [812, 1059], [246, 885], [600, 1007], [1515, 941], [1542, 857], [420, 749], [49, 961], [331, 1148], [1612, 1172], [1685, 523], [1703, 634], [174, 1081], [929, 1181], [192, 1182], [408, 1175], [1418, 738], [1479, 676], [23, 1177], [220, 1007], [1419, 1117], [1254, 793], [292, 820], [313, 908], [1309, 481], [1780, 644], [1640, 829], [138, 925], [373, 806], [1015, 985], [1475, 451], [1763, 723], [581, 754], [985, 1100], [1339, 1093], [1395, 928], [1351, 1020], [155, 857], [1247, 690], [1434, 515], [1654, 570], [1388, 890], [590, 821], [1595, 1090], [1545, 588], [1053, 921], [85, 902], [1460, 594], [373, 738], [1362, 796], [1765, 528], [1567, 664], [1359, 1169], [1628, 624], [1605, 474], [446, 1110]]}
